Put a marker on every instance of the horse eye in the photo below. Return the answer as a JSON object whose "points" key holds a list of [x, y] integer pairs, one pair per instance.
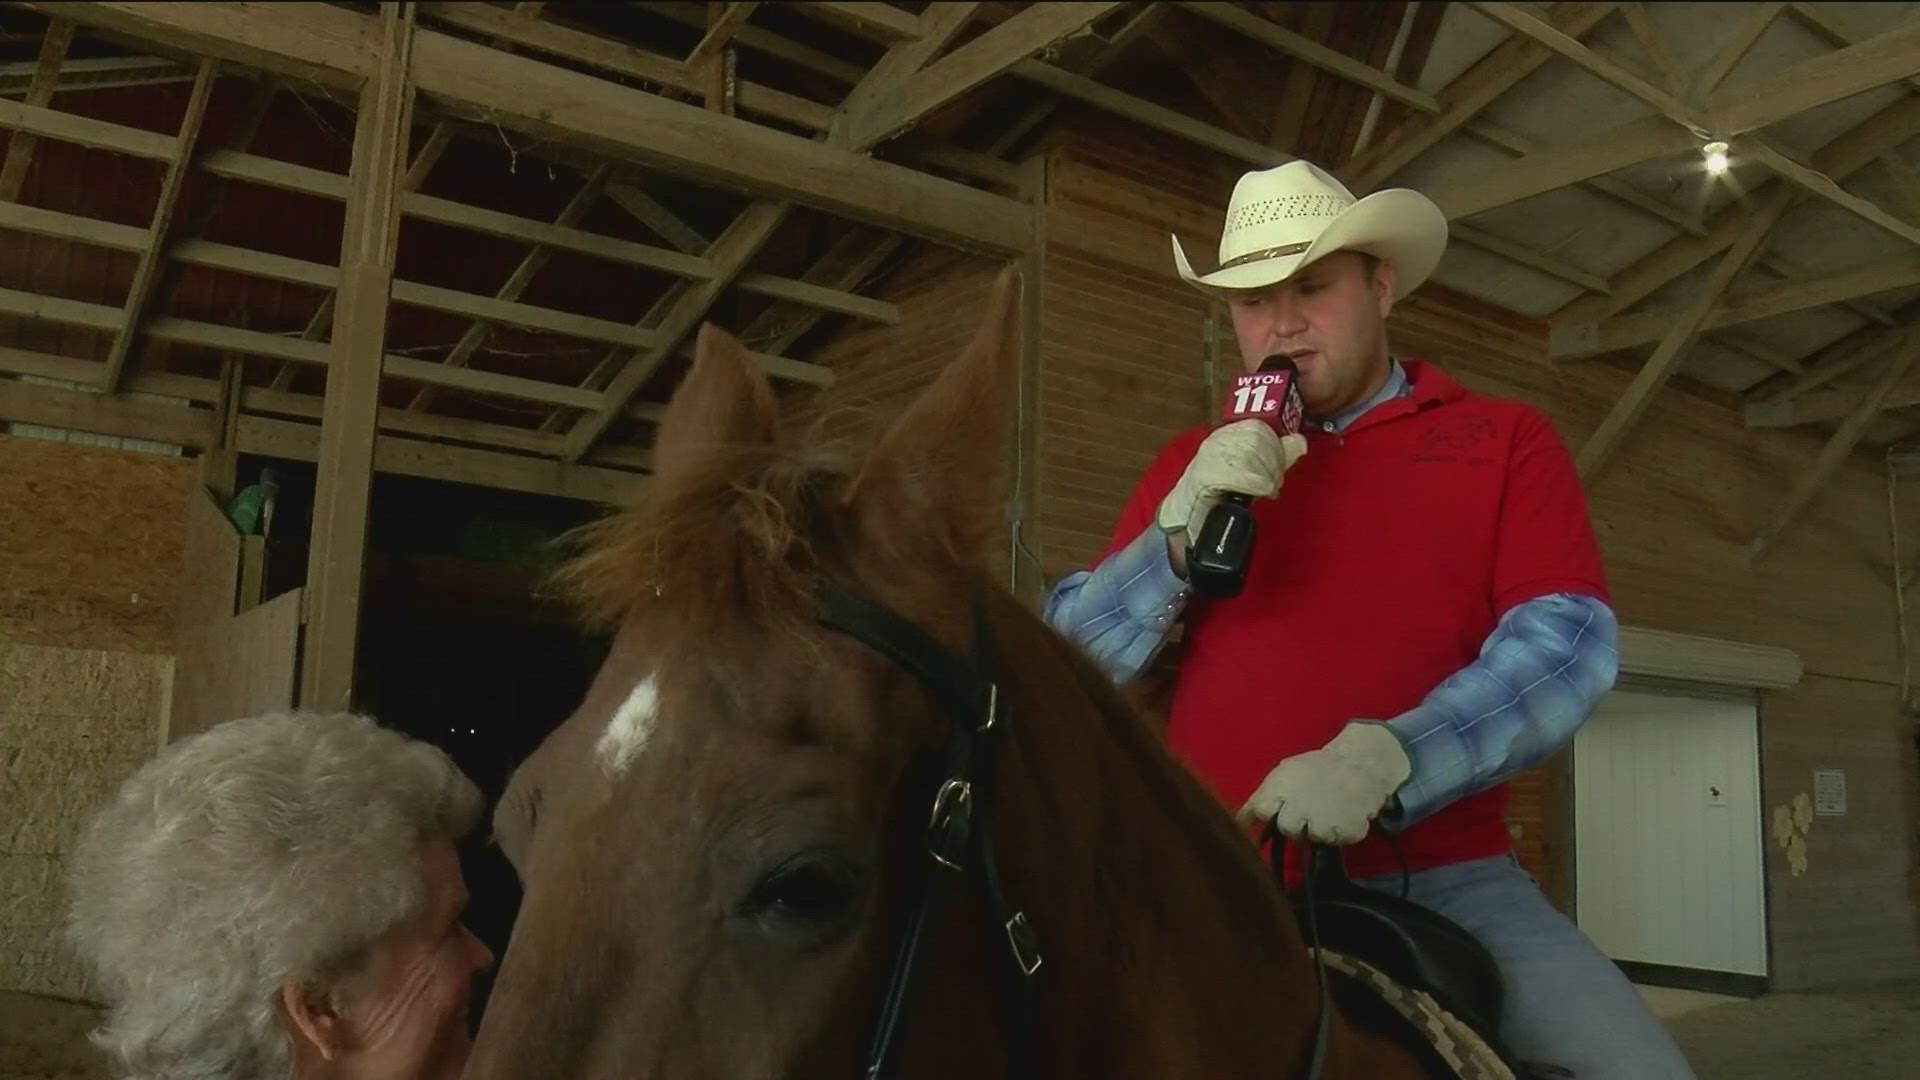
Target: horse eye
{"points": [[801, 893]]}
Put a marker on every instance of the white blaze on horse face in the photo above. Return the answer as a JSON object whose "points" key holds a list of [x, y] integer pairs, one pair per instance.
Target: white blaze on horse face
{"points": [[631, 726]]}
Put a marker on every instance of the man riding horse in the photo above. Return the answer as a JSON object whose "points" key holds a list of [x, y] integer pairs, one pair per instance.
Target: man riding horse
{"points": [[1425, 614]]}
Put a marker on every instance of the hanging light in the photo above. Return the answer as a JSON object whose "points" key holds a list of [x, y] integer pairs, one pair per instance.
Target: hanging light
{"points": [[1716, 153]]}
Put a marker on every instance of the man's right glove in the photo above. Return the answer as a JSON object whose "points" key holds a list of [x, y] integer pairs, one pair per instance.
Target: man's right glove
{"points": [[1244, 457]]}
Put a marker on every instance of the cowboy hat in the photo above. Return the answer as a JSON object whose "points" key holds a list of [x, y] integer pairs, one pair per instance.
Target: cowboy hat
{"points": [[1283, 218]]}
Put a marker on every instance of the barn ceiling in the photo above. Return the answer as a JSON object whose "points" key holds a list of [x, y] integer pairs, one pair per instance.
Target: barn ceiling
{"points": [[587, 183]]}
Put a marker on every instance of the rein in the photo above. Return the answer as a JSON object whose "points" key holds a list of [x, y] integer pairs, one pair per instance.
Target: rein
{"points": [[959, 833]]}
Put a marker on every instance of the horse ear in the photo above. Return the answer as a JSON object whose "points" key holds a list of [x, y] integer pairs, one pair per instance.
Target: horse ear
{"points": [[724, 401], [940, 460]]}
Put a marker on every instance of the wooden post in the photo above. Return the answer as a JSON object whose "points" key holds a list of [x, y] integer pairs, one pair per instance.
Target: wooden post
{"points": [[337, 560]]}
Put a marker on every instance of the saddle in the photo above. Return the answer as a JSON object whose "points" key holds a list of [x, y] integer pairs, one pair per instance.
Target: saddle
{"points": [[1428, 968]]}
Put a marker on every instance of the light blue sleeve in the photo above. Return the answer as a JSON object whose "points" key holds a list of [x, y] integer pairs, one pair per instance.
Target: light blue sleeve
{"points": [[1122, 610], [1538, 678]]}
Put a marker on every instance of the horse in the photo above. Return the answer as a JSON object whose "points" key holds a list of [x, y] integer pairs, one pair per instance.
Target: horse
{"points": [[838, 804]]}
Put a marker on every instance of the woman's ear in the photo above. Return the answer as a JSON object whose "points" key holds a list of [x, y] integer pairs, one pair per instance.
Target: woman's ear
{"points": [[312, 1017]]}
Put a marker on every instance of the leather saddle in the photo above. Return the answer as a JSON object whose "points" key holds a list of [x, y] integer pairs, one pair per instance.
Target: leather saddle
{"points": [[1413, 945]]}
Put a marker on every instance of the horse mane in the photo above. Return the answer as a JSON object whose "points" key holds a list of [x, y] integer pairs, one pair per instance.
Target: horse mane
{"points": [[745, 531]]}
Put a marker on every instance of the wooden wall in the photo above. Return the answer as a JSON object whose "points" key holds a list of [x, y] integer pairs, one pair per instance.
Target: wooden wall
{"points": [[1125, 366]]}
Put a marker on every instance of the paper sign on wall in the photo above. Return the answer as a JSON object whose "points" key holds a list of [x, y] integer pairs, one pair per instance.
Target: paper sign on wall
{"points": [[1829, 793]]}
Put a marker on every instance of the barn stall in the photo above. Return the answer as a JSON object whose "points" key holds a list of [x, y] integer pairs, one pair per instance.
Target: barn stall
{"points": [[319, 321]]}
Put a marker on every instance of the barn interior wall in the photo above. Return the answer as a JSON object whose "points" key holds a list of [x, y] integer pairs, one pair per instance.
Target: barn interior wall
{"points": [[1124, 365], [90, 563]]}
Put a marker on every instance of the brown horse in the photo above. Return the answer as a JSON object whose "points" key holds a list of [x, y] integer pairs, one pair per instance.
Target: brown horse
{"points": [[724, 846]]}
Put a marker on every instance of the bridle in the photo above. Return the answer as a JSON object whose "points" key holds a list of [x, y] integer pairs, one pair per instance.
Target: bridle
{"points": [[959, 834]]}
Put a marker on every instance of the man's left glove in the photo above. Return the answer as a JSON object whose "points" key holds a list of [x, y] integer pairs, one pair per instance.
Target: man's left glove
{"points": [[1330, 795]]}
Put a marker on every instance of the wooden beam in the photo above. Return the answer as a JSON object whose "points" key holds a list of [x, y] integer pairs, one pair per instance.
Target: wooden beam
{"points": [[1665, 655], [530, 32], [883, 116], [336, 561], [729, 254], [1844, 439], [1625, 194], [1736, 49], [1463, 99], [1828, 406], [895, 68], [1838, 359], [648, 211], [482, 84], [1816, 18], [1144, 21], [46, 74], [1606, 70], [847, 263], [146, 273], [516, 284], [1839, 158], [1300, 47], [1906, 186], [1780, 298], [1149, 114], [1528, 257], [235, 165], [158, 422], [317, 43], [720, 32], [1889, 57], [1630, 143], [1823, 185], [648, 130], [1654, 44], [690, 13], [1626, 412], [881, 22]]}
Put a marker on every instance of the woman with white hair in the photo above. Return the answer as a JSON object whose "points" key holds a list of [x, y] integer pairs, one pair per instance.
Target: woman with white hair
{"points": [[278, 898]]}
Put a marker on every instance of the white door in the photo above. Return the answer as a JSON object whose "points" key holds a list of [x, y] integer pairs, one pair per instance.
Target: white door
{"points": [[1667, 831]]}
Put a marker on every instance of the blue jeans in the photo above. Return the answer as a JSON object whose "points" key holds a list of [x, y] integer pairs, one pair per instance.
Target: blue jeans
{"points": [[1566, 1003]]}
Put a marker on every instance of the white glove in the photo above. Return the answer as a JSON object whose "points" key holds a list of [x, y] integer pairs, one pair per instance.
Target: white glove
{"points": [[1244, 457], [1331, 794]]}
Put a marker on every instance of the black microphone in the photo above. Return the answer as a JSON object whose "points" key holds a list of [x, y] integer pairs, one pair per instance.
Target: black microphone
{"points": [[1218, 558]]}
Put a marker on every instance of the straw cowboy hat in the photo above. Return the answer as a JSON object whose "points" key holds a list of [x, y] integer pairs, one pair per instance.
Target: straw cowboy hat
{"points": [[1283, 218]]}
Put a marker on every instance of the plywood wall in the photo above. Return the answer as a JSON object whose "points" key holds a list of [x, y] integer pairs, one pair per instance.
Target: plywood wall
{"points": [[1124, 367], [90, 545], [74, 723]]}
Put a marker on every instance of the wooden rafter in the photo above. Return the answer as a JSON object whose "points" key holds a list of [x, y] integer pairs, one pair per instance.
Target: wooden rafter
{"points": [[530, 266], [1778, 298], [146, 273], [729, 256], [1844, 439], [1566, 45], [1823, 185], [1736, 49], [1624, 144], [474, 81], [1149, 114], [1632, 405], [1654, 44], [1305, 49], [649, 211], [1622, 193], [1465, 97], [46, 75], [881, 117], [298, 441], [720, 32], [1891, 56], [895, 68], [881, 22], [1839, 158]]}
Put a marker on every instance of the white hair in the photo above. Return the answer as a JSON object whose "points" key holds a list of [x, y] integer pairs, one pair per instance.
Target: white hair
{"points": [[266, 849]]}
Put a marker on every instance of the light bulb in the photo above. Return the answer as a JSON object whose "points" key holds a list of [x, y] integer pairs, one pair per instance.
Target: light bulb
{"points": [[1716, 157]]}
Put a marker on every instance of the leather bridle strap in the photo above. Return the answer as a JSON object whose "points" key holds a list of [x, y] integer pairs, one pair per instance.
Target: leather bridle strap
{"points": [[959, 837]]}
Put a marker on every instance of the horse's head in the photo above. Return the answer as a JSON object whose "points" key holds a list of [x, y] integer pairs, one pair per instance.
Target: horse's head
{"points": [[714, 844]]}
